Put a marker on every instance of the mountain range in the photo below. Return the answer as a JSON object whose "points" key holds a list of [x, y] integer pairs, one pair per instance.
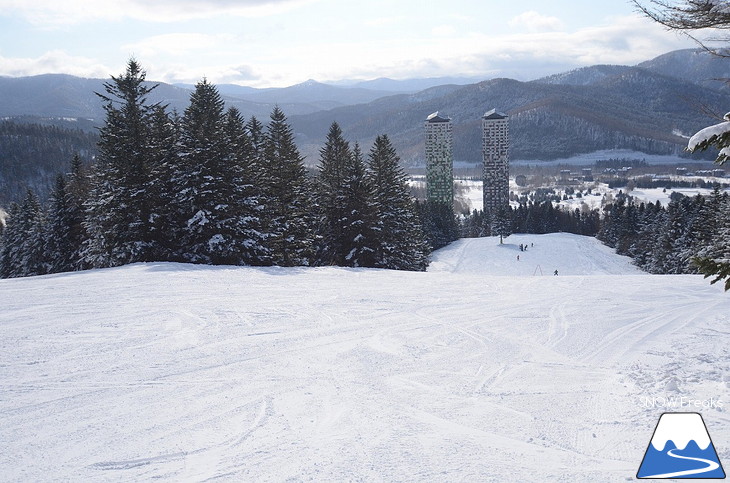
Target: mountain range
{"points": [[651, 107]]}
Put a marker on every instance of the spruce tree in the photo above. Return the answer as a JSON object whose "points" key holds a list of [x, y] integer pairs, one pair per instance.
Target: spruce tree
{"points": [[61, 249], [163, 144], [714, 260], [249, 207], [335, 157], [359, 241], [290, 236], [208, 183], [77, 191], [401, 242], [119, 207], [11, 243], [23, 247]]}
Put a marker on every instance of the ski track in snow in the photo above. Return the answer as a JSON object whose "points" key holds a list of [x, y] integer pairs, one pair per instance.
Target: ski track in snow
{"points": [[477, 370]]}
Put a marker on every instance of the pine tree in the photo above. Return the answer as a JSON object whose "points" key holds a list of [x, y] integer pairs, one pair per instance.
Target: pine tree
{"points": [[289, 212], [119, 207], [401, 242]]}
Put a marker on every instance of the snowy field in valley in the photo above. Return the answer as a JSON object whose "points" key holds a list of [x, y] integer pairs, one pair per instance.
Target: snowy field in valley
{"points": [[470, 193], [484, 368]]}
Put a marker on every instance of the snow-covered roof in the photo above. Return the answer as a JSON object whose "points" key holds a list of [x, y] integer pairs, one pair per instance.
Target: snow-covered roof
{"points": [[434, 117], [494, 114]]}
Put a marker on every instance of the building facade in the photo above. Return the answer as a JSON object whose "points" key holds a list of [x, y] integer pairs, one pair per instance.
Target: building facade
{"points": [[439, 160], [495, 154]]}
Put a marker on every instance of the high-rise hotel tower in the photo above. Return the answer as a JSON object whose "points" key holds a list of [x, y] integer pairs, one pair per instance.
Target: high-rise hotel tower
{"points": [[495, 153], [439, 160]]}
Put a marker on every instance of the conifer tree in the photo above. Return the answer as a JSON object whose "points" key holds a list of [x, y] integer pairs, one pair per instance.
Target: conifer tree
{"points": [[289, 212], [401, 242], [358, 214], [23, 248], [61, 249], [11, 243], [65, 233], [335, 158], [208, 183], [439, 223], [163, 143], [502, 222], [714, 260], [119, 208], [249, 205]]}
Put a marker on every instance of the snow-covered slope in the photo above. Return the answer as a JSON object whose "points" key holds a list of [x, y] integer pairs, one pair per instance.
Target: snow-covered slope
{"points": [[472, 371], [569, 254]]}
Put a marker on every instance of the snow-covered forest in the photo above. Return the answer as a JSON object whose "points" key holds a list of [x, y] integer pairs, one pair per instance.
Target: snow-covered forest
{"points": [[210, 187]]}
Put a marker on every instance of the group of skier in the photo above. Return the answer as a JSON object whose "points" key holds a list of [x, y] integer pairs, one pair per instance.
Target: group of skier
{"points": [[523, 248]]}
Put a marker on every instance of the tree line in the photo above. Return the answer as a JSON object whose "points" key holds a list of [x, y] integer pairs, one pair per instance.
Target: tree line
{"points": [[207, 186], [687, 236]]}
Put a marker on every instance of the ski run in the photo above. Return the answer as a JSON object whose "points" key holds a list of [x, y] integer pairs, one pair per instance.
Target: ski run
{"points": [[483, 368]]}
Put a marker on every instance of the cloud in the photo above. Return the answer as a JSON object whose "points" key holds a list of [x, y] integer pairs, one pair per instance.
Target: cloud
{"points": [[54, 62], [173, 44], [524, 56], [536, 22], [443, 31], [54, 13]]}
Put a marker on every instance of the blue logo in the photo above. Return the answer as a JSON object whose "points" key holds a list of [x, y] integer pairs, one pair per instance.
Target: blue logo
{"points": [[681, 448]]}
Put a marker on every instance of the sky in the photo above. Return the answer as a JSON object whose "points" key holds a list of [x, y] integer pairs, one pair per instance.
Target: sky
{"points": [[276, 43]]}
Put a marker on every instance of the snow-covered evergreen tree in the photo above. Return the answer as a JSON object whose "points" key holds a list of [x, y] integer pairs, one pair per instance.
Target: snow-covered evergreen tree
{"points": [[11, 243], [502, 222], [119, 208], [714, 260], [249, 206], [162, 143], [358, 215], [23, 247], [61, 249], [210, 206], [440, 225], [401, 242], [335, 158], [290, 236]]}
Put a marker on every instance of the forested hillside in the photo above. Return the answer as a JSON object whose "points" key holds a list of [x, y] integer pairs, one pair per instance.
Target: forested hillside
{"points": [[630, 108], [31, 155]]}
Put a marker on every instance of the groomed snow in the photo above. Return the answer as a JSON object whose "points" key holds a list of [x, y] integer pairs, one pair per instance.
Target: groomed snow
{"points": [[477, 370]]}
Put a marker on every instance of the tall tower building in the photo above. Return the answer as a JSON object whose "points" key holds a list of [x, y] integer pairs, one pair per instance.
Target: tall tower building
{"points": [[439, 160], [495, 153]]}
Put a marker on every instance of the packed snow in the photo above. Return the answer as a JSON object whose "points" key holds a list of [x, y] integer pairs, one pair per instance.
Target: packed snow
{"points": [[484, 368]]}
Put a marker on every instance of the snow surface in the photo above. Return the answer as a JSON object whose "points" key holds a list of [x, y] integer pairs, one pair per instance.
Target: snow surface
{"points": [[476, 370]]}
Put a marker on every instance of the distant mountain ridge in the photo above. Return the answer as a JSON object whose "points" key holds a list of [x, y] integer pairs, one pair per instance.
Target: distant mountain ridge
{"points": [[651, 107]]}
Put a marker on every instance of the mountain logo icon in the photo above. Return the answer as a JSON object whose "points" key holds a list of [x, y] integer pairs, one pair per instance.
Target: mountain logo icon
{"points": [[681, 448]]}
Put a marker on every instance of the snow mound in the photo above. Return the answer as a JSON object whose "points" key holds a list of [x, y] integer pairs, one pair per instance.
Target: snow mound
{"points": [[568, 254]]}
